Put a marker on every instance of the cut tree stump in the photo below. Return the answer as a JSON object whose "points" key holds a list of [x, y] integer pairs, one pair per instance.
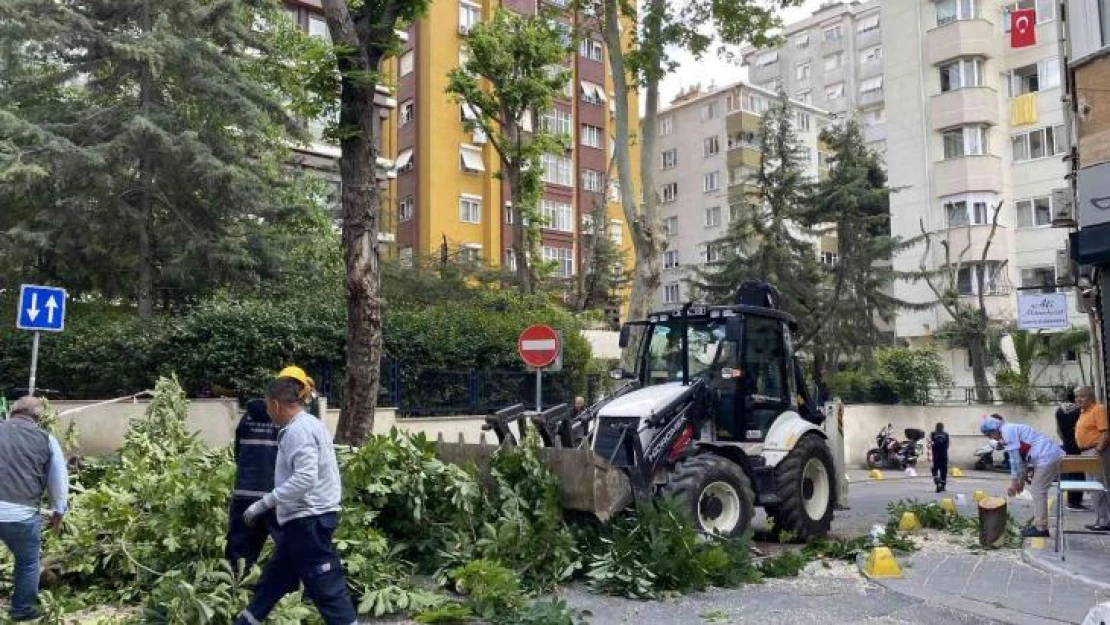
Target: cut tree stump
{"points": [[992, 521]]}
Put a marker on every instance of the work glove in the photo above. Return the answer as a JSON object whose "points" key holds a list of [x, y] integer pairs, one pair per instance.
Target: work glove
{"points": [[256, 511]]}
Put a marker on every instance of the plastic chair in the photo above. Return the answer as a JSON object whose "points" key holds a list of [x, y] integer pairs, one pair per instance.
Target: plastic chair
{"points": [[1074, 464]]}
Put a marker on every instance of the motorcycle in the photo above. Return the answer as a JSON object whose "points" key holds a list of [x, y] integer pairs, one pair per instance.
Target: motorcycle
{"points": [[889, 452], [986, 462]]}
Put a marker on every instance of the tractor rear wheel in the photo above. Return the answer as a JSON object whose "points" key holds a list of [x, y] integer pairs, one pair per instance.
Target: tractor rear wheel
{"points": [[715, 493], [806, 484]]}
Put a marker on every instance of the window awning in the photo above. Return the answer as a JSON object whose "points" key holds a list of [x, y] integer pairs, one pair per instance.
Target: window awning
{"points": [[594, 90], [468, 112], [404, 158], [767, 59], [871, 84], [471, 159], [867, 23]]}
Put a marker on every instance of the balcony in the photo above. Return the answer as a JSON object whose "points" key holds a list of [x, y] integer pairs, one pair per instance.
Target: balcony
{"points": [[870, 69], [961, 38], [973, 239], [870, 38], [871, 98], [765, 74], [970, 105], [967, 173], [833, 45]]}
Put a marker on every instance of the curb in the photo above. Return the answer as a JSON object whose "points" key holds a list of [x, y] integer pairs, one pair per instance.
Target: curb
{"points": [[1028, 557], [992, 612]]}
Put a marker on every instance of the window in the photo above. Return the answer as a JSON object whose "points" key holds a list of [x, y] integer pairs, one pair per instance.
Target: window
{"points": [[830, 258], [405, 208], [469, 15], [666, 126], [873, 116], [318, 27], [670, 259], [510, 216], [960, 74], [1039, 143], [968, 277], [871, 85], [754, 104], [949, 11], [713, 217], [467, 113], [406, 112], [801, 71], [591, 49], [710, 110], [766, 60], [670, 158], [871, 55], [1045, 9], [801, 42], [967, 210], [834, 92], [1039, 277], [803, 121], [831, 34], [593, 93], [878, 147], [470, 159], [669, 192], [833, 61], [805, 97], [616, 231], [710, 146], [556, 122], [556, 169], [405, 63], [562, 257], [404, 161], [510, 260], [868, 24], [1034, 212], [614, 190], [965, 141], [405, 256], [670, 226], [736, 176], [711, 182], [736, 210], [593, 181], [1035, 77], [470, 209], [593, 136], [557, 215], [709, 253], [671, 293]]}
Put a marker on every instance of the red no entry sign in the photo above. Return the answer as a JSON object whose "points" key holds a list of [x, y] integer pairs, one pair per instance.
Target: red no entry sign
{"points": [[538, 345]]}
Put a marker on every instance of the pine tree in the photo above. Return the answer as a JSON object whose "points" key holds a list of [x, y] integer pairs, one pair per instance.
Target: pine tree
{"points": [[139, 148], [772, 240]]}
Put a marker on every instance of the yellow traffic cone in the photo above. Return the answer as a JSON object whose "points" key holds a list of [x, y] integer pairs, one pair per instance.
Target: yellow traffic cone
{"points": [[979, 496], [875, 474], [948, 505], [956, 472], [909, 522], [880, 564]]}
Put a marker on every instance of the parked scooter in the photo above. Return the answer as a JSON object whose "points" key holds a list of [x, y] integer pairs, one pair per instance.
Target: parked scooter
{"points": [[986, 461], [889, 452]]}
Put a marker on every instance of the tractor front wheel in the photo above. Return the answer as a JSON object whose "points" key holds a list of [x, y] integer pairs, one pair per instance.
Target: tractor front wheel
{"points": [[806, 483], [715, 493]]}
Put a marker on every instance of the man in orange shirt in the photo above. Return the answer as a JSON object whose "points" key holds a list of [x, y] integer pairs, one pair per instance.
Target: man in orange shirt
{"points": [[1091, 434]]}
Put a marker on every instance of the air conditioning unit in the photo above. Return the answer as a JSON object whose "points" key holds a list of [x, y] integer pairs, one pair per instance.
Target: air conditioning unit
{"points": [[464, 29], [1063, 208], [1065, 268]]}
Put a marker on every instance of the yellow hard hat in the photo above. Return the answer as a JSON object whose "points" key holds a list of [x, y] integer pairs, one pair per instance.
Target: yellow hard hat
{"points": [[298, 374]]}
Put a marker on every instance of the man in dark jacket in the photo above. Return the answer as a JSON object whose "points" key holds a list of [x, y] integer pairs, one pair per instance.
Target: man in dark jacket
{"points": [[938, 441], [255, 454], [1067, 415]]}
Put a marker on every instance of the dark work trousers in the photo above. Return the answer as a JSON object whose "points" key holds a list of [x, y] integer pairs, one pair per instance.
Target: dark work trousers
{"points": [[940, 469], [303, 554], [245, 542]]}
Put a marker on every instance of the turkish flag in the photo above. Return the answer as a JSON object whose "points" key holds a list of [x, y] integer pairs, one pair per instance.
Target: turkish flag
{"points": [[1023, 28]]}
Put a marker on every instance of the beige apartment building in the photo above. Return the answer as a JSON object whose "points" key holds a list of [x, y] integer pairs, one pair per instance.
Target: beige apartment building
{"points": [[709, 149]]}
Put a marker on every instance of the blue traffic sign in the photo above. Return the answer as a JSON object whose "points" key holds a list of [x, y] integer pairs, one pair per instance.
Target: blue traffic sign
{"points": [[41, 308]]}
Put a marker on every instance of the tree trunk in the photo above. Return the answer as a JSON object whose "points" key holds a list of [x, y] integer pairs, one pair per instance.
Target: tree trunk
{"points": [[977, 351], [992, 521], [521, 245], [146, 189]]}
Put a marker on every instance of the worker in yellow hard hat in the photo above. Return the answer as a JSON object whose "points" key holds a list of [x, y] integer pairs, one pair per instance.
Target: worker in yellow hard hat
{"points": [[308, 394]]}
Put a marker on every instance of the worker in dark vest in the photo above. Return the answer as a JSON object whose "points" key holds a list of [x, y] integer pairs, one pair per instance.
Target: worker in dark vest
{"points": [[938, 442], [31, 464]]}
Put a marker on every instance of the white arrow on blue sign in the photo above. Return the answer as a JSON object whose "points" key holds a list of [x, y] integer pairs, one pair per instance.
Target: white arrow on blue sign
{"points": [[41, 308]]}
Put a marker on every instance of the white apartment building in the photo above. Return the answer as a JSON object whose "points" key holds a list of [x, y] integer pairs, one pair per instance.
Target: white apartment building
{"points": [[708, 150], [968, 124]]}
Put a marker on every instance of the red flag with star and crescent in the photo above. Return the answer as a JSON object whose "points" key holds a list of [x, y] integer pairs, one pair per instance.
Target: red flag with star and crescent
{"points": [[1023, 28]]}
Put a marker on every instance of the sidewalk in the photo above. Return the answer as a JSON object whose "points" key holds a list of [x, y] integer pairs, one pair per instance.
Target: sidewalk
{"points": [[1088, 555]]}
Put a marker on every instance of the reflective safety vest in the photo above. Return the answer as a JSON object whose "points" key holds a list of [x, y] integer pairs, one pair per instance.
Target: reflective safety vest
{"points": [[256, 447]]}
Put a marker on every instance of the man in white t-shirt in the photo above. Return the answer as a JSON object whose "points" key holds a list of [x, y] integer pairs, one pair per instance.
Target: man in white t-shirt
{"points": [[1043, 453]]}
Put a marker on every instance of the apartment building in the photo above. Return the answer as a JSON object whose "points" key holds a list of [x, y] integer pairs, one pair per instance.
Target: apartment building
{"points": [[832, 60], [709, 149], [448, 195]]}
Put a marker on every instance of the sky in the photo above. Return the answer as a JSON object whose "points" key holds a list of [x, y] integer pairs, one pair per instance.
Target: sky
{"points": [[713, 69]]}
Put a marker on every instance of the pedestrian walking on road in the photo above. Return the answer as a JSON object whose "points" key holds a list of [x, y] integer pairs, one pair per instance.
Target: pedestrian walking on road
{"points": [[306, 499], [31, 464], [1044, 454], [1067, 415], [938, 442], [256, 445], [1092, 437]]}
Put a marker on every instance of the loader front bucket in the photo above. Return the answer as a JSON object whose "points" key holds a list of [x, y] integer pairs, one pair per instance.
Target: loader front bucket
{"points": [[588, 482]]}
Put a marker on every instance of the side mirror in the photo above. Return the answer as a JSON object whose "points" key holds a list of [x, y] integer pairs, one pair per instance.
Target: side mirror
{"points": [[626, 333], [734, 329], [617, 374]]}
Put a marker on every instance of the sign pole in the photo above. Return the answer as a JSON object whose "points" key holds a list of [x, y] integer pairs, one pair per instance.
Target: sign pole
{"points": [[539, 390], [34, 364]]}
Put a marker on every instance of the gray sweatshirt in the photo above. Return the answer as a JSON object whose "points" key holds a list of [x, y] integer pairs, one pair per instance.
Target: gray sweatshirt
{"points": [[306, 476]]}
